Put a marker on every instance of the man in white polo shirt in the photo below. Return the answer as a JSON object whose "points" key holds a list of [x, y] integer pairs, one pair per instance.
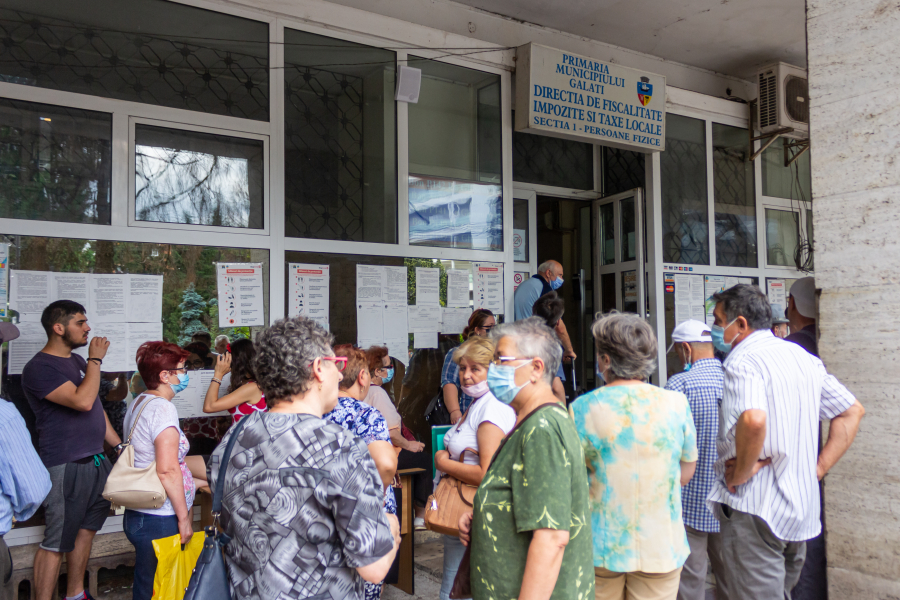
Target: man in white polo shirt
{"points": [[766, 493]]}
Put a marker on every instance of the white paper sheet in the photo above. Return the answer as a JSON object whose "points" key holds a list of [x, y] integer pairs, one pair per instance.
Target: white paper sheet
{"points": [[424, 318], [519, 253], [309, 293], [425, 339], [396, 321], [489, 287], [458, 288], [29, 294], [32, 338], [713, 284], [107, 299], [395, 280], [240, 292], [777, 296], [138, 333], [399, 349], [73, 286], [205, 378], [4, 281], [144, 298], [682, 299], [369, 283], [730, 282], [698, 304], [428, 286], [189, 401], [454, 320], [369, 323], [116, 359]]}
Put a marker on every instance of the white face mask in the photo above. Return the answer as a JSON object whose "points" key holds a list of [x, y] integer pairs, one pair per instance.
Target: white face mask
{"points": [[478, 390]]}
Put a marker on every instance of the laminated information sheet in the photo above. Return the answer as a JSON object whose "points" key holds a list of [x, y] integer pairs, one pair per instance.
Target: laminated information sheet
{"points": [[489, 287], [308, 295], [240, 291], [458, 288]]}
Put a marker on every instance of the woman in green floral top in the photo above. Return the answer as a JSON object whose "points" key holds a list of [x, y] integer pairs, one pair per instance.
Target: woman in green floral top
{"points": [[531, 532]]}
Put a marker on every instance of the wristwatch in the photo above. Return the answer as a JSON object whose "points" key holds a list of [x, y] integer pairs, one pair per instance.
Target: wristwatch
{"points": [[119, 448]]}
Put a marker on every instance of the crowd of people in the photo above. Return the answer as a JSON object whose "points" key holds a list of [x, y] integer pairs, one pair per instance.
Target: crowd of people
{"points": [[630, 491]]}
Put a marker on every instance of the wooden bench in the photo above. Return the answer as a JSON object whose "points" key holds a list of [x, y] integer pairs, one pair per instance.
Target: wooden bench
{"points": [[407, 514]]}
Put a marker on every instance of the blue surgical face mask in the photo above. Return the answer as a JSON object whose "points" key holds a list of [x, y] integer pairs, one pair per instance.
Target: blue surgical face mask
{"points": [[687, 366], [501, 380], [183, 379], [718, 338], [389, 376], [556, 283]]}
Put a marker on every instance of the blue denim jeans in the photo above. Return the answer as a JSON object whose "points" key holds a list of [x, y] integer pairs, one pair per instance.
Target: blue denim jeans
{"points": [[453, 555], [141, 529]]}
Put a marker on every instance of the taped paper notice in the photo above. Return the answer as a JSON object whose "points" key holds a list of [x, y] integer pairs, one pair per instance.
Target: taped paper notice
{"points": [[309, 292], [426, 339], [241, 299], [424, 318], [458, 288], [428, 286], [489, 287]]}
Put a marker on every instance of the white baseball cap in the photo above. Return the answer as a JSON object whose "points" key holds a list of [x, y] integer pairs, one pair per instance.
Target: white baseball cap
{"points": [[690, 331], [804, 293]]}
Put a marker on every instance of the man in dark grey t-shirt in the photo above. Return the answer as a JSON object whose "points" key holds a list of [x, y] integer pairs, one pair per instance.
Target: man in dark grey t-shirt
{"points": [[61, 388]]}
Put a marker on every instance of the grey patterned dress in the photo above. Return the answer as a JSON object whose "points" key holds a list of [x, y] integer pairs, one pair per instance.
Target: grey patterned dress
{"points": [[304, 505]]}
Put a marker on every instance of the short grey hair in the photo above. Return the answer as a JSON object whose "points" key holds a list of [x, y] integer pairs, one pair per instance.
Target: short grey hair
{"points": [[547, 264], [628, 341], [533, 338], [222, 337], [284, 353]]}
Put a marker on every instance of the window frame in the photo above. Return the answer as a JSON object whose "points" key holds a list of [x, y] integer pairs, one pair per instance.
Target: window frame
{"points": [[133, 221]]}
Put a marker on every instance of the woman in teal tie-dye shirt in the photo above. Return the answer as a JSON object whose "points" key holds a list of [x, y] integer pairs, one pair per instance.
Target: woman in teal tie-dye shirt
{"points": [[640, 447]]}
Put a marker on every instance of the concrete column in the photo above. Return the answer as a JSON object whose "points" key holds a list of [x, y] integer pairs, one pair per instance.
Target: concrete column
{"points": [[854, 70]]}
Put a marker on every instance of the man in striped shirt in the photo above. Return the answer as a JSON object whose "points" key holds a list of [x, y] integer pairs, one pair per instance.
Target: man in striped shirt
{"points": [[701, 381], [766, 493]]}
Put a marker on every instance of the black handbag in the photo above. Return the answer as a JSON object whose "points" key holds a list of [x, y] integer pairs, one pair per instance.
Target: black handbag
{"points": [[209, 580], [436, 412]]}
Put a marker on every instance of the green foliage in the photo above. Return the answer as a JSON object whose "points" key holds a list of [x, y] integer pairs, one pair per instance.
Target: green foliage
{"points": [[193, 309]]}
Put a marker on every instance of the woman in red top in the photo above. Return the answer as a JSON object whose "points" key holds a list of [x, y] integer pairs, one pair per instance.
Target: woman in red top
{"points": [[244, 396]]}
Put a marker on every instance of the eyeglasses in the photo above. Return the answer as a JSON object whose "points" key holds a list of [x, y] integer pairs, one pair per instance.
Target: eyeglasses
{"points": [[502, 359], [486, 327], [339, 361], [181, 370]]}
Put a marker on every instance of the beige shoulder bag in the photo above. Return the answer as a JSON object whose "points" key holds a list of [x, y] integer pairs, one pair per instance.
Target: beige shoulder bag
{"points": [[132, 487], [449, 501]]}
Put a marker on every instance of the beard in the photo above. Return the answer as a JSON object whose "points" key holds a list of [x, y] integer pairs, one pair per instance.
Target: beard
{"points": [[73, 341]]}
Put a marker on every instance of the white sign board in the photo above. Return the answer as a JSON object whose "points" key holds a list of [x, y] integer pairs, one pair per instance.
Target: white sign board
{"points": [[565, 95], [240, 288]]}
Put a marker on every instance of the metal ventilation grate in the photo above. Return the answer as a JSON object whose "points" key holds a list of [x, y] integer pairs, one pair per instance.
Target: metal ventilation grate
{"points": [[768, 99], [796, 98]]}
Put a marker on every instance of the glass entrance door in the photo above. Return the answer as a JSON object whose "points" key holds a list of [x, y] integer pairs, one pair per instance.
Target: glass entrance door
{"points": [[619, 253]]}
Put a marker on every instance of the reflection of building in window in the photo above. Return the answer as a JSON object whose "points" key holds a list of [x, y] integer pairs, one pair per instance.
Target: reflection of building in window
{"points": [[685, 218], [735, 199], [455, 214], [188, 177]]}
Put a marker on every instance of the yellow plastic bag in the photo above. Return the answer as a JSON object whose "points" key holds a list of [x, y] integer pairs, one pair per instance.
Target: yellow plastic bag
{"points": [[174, 566]]}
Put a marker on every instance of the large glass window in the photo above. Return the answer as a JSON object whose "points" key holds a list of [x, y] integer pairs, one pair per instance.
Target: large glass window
{"points": [[685, 212], [521, 248], [622, 170], [778, 181], [198, 178], [55, 163], [156, 52], [546, 160], [455, 158], [340, 140], [782, 237], [735, 200]]}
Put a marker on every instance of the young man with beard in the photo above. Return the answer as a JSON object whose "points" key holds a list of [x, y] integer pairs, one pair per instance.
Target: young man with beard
{"points": [[62, 389]]}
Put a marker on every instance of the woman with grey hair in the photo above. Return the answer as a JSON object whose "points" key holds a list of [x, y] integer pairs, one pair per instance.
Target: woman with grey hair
{"points": [[640, 445], [303, 501], [529, 531]]}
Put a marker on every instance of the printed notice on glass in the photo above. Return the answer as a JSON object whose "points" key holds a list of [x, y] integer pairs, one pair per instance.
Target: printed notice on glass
{"points": [[428, 286], [138, 334], [22, 349], [308, 295], [189, 401], [399, 349], [454, 320], [145, 294], [369, 283], [116, 359], [489, 287], [4, 279], [76, 287], [698, 305], [519, 254], [29, 294], [777, 296], [107, 294], [713, 284], [457, 288], [206, 376], [240, 290], [424, 318], [425, 339], [369, 323], [396, 321], [682, 299], [394, 285]]}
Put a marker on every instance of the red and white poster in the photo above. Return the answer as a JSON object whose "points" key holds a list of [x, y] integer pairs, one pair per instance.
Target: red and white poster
{"points": [[308, 294], [240, 288], [518, 279], [489, 286]]}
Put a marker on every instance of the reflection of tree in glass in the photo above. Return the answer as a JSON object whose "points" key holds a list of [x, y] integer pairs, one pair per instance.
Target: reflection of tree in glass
{"points": [[183, 186]]}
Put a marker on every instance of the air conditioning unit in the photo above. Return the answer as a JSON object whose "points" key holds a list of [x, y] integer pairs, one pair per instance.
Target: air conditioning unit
{"points": [[783, 100]]}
